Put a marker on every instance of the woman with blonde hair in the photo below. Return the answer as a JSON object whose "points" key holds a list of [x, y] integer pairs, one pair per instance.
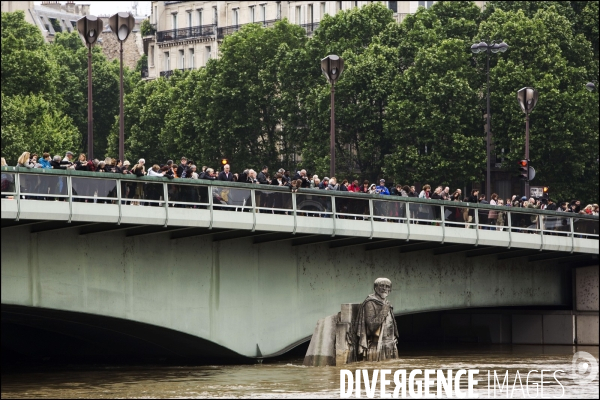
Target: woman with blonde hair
{"points": [[25, 161], [500, 215]]}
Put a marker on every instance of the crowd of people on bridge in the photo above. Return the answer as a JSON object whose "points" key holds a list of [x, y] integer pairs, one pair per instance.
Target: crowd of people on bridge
{"points": [[187, 169]]}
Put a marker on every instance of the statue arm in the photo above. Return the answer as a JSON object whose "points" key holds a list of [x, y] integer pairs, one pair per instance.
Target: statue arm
{"points": [[372, 320]]}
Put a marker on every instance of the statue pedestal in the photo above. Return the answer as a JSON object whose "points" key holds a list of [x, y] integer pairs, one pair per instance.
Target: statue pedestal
{"points": [[321, 350], [329, 344], [344, 346]]}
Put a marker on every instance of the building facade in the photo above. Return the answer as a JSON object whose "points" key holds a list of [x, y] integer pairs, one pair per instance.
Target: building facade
{"points": [[52, 17], [186, 34]]}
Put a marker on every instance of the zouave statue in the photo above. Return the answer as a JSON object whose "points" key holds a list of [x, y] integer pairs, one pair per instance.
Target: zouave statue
{"points": [[376, 330]]}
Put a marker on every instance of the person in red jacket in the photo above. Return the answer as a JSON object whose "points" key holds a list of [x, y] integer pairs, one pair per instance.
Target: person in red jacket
{"points": [[354, 187]]}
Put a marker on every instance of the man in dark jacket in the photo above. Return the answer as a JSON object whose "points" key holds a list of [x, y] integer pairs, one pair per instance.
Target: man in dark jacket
{"points": [[262, 176], [225, 175], [182, 167], [302, 176]]}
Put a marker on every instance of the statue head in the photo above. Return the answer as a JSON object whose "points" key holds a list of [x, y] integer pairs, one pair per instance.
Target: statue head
{"points": [[383, 287]]}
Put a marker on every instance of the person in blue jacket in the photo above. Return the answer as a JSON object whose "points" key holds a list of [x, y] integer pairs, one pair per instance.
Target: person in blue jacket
{"points": [[382, 189]]}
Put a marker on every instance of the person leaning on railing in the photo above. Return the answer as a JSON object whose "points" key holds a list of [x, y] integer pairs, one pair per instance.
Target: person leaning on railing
{"points": [[139, 170]]}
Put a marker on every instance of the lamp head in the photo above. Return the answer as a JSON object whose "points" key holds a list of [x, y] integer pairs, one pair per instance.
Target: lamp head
{"points": [[332, 67], [590, 86], [502, 47], [89, 28], [475, 48], [122, 24], [527, 98]]}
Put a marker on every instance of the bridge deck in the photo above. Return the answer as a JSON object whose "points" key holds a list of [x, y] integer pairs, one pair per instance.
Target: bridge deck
{"points": [[75, 196]]}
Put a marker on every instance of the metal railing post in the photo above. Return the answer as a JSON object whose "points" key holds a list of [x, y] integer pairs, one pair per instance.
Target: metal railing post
{"points": [[443, 224], [477, 227], [210, 207], [70, 194], [119, 200], [371, 217], [509, 229], [253, 201], [18, 194], [333, 214], [295, 213], [407, 206], [165, 194], [572, 235], [541, 223]]}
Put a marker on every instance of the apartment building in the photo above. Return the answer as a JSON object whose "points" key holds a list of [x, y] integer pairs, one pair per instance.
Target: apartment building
{"points": [[186, 34]]}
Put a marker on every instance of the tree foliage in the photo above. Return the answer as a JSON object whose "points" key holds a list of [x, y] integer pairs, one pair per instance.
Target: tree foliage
{"points": [[52, 78], [410, 104]]}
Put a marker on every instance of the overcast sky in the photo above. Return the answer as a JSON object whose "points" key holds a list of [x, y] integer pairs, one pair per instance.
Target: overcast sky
{"points": [[111, 7]]}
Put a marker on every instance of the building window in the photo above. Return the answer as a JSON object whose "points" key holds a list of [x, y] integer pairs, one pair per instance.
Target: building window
{"points": [[322, 10], [207, 55], [215, 16], [174, 21], [55, 25], [393, 5], [309, 14], [151, 58], [426, 4], [155, 14], [235, 16], [189, 19], [181, 59], [339, 6], [298, 12], [191, 57], [278, 10], [252, 17], [355, 4], [263, 12], [74, 24], [167, 61], [200, 17]]}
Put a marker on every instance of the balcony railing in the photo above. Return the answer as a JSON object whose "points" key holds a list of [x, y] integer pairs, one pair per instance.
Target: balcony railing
{"points": [[170, 72], [185, 33], [310, 27], [228, 30], [408, 216]]}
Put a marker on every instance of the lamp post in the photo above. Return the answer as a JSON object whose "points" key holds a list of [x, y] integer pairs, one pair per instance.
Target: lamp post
{"points": [[121, 24], [494, 48], [89, 28], [527, 98], [332, 67]]}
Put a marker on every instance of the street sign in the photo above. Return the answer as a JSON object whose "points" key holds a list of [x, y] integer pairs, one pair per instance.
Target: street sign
{"points": [[531, 173], [536, 191]]}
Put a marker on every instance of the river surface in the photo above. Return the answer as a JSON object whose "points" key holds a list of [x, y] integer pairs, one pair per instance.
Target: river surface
{"points": [[287, 378]]}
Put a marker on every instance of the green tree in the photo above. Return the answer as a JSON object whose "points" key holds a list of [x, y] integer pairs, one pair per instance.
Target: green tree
{"points": [[26, 65], [564, 124], [31, 123]]}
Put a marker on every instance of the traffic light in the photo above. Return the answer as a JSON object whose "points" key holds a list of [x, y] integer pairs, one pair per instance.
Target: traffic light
{"points": [[545, 192], [524, 169]]}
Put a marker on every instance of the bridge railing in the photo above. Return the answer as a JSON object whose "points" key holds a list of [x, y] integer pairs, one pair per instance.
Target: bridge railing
{"points": [[20, 184]]}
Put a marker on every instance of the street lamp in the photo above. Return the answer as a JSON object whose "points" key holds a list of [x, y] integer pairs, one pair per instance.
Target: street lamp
{"points": [[332, 67], [590, 86], [528, 98], [494, 48], [89, 28], [122, 25]]}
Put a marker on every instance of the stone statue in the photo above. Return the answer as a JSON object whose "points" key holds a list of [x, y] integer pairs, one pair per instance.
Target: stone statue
{"points": [[376, 331]]}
